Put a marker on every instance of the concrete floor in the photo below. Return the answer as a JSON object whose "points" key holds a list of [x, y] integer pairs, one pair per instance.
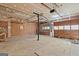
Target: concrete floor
{"points": [[47, 46]]}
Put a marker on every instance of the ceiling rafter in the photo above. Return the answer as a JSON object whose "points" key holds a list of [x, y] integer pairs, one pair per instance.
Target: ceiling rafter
{"points": [[10, 12], [13, 13]]}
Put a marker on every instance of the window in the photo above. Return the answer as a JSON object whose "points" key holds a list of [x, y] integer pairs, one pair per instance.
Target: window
{"points": [[46, 28], [74, 27], [55, 27], [61, 27], [67, 27]]}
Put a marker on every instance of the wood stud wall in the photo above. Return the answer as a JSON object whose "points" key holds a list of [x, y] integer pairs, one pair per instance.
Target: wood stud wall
{"points": [[70, 34], [28, 29], [13, 28], [4, 24], [44, 32]]}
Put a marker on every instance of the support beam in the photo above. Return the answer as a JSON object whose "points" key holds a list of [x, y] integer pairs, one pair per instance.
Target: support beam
{"points": [[38, 23], [46, 6], [9, 28]]}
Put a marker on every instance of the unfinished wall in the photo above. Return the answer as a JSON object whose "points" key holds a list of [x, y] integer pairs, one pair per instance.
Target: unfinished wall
{"points": [[4, 24], [44, 31], [29, 28], [25, 28], [71, 33], [15, 30]]}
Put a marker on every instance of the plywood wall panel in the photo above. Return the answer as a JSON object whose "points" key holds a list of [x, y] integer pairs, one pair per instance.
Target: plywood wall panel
{"points": [[75, 34], [56, 33], [15, 29], [75, 21], [71, 34], [67, 34], [61, 33], [4, 24], [56, 23], [28, 29], [66, 22]]}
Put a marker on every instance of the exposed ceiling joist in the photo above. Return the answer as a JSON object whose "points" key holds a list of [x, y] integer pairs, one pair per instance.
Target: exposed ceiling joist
{"points": [[52, 9], [46, 6], [13, 13]]}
